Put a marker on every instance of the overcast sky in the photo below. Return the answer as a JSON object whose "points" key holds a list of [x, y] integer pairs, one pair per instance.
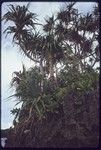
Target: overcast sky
{"points": [[11, 58]]}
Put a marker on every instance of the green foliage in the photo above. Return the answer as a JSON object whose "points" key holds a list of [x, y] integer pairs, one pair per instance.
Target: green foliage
{"points": [[15, 112], [29, 89], [88, 81], [66, 39]]}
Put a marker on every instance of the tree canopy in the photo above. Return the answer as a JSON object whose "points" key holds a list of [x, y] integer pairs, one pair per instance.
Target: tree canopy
{"points": [[66, 79]]}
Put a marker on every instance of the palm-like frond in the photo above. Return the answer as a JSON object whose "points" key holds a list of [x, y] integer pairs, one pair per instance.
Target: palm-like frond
{"points": [[63, 16], [50, 22], [22, 18], [59, 28]]}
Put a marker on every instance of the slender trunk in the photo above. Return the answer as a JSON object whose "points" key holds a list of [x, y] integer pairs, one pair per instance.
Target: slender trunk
{"points": [[51, 68], [42, 72], [56, 74]]}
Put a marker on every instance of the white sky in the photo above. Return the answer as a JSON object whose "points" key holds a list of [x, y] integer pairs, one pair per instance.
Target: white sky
{"points": [[11, 59]]}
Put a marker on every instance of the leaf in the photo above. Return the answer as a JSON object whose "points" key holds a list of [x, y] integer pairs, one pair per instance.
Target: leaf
{"points": [[16, 95], [17, 103]]}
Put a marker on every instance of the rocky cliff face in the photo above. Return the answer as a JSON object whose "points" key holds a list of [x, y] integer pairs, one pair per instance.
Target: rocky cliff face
{"points": [[57, 130], [9, 134]]}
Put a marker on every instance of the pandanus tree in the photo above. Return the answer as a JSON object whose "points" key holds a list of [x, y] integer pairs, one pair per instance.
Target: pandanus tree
{"points": [[79, 32], [24, 22], [64, 36], [36, 47], [23, 30], [64, 39], [68, 37], [53, 50], [28, 89]]}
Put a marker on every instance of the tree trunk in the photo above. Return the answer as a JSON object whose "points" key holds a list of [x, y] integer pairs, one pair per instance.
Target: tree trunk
{"points": [[51, 68], [56, 74], [42, 72]]}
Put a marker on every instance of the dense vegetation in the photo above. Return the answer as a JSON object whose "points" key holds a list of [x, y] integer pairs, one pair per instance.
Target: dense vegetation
{"points": [[60, 95]]}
